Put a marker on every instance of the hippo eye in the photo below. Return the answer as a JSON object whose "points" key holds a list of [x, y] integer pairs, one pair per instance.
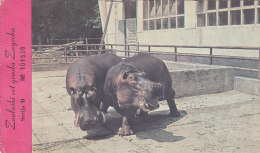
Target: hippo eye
{"points": [[131, 78]]}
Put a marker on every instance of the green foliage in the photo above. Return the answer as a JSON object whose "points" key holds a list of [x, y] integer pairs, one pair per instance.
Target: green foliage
{"points": [[61, 19]]}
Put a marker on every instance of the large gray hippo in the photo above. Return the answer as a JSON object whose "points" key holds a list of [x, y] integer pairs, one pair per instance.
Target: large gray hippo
{"points": [[85, 83], [137, 83]]}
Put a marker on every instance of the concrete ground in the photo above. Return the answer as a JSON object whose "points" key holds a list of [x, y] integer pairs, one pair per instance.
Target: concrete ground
{"points": [[223, 122]]}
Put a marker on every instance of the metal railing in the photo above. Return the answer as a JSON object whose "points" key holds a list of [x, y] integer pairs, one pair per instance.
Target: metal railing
{"points": [[74, 51]]}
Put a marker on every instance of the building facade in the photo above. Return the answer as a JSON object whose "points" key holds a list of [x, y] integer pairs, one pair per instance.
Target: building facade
{"points": [[185, 22]]}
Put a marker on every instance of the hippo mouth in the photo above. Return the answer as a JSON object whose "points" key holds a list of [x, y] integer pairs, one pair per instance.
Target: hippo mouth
{"points": [[91, 125], [149, 105]]}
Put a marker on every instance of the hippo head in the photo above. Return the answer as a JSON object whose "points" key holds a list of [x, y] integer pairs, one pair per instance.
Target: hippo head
{"points": [[87, 115], [135, 89]]}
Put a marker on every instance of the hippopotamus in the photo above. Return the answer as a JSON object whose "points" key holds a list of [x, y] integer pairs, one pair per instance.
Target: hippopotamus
{"points": [[85, 83], [136, 84]]}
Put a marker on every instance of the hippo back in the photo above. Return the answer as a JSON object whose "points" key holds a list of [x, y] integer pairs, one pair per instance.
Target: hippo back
{"points": [[155, 68], [90, 69]]}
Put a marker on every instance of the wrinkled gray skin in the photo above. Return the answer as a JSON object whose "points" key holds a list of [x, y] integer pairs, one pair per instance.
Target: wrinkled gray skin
{"points": [[85, 83], [138, 83]]}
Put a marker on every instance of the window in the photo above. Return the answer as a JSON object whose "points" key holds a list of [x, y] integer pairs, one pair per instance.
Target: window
{"points": [[223, 4], [158, 8], [145, 9], [165, 7], [259, 15], [211, 4], [201, 20], [173, 22], [249, 16], [200, 6], [227, 12], [223, 18], [173, 7], [235, 17], [163, 14], [145, 25], [158, 24], [180, 7], [180, 21], [212, 19], [165, 23], [151, 8], [235, 3], [151, 25], [248, 2]]}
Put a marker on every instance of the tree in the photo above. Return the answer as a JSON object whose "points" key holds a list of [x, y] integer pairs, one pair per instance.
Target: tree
{"points": [[65, 19]]}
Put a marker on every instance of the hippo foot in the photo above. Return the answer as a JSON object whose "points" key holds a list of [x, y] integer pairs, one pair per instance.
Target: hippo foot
{"points": [[125, 131], [175, 114]]}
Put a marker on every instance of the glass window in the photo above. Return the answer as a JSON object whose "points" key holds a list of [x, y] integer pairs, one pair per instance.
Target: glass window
{"points": [[259, 15], [158, 24], [151, 8], [145, 25], [145, 9], [165, 23], [235, 3], [223, 18], [211, 4], [165, 7], [180, 21], [248, 2], [223, 4], [180, 7], [173, 22], [201, 21], [212, 19], [172, 7], [151, 25], [200, 6], [158, 8], [235, 17], [249, 16]]}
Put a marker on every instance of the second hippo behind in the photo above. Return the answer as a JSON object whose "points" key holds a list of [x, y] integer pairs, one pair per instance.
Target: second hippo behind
{"points": [[137, 83], [84, 83]]}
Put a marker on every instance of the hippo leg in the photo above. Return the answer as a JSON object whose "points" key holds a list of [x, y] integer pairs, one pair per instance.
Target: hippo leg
{"points": [[171, 103], [103, 107], [126, 128]]}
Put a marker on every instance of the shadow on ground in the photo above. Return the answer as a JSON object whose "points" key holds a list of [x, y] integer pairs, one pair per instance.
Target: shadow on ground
{"points": [[151, 127]]}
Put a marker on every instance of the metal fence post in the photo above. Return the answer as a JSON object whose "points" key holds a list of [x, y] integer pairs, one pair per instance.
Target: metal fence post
{"points": [[259, 66], [66, 56], [210, 56], [175, 51], [137, 47], [128, 48], [149, 50]]}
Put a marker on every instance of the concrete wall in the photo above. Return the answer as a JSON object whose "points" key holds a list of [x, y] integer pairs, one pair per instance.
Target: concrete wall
{"points": [[196, 79], [49, 67], [247, 85]]}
